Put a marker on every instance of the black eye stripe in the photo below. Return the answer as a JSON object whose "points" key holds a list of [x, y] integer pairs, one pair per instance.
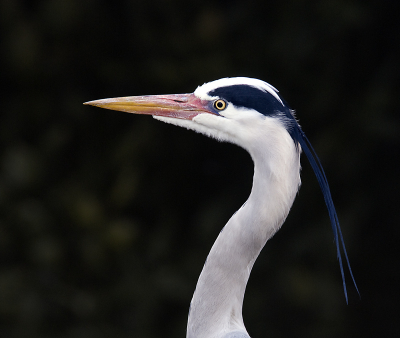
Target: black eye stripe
{"points": [[249, 97]]}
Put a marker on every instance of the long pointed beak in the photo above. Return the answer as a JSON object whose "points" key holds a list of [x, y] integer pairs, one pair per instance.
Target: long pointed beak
{"points": [[180, 106]]}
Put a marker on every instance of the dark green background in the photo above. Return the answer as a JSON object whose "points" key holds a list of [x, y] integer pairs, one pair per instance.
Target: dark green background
{"points": [[107, 218]]}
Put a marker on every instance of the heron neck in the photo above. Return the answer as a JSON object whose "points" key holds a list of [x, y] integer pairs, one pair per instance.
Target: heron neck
{"points": [[216, 306]]}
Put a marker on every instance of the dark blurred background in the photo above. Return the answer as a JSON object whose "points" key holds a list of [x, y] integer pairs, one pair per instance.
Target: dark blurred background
{"points": [[107, 218]]}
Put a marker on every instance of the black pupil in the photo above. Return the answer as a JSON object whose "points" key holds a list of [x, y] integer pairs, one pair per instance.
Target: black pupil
{"points": [[220, 104]]}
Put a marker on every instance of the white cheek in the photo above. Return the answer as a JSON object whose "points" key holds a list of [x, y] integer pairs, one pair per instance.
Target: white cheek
{"points": [[207, 119], [215, 126], [240, 113], [229, 112]]}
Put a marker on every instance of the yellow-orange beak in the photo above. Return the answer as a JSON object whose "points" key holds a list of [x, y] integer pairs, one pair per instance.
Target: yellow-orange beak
{"points": [[180, 106]]}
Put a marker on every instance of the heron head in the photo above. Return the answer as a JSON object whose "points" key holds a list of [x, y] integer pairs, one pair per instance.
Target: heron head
{"points": [[236, 109]]}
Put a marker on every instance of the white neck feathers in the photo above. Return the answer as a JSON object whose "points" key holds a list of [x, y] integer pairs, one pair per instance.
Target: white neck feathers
{"points": [[216, 307]]}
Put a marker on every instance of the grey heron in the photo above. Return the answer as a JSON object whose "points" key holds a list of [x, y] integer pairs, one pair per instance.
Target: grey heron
{"points": [[251, 114]]}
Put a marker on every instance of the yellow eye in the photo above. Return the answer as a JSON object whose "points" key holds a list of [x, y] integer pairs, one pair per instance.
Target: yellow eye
{"points": [[220, 104]]}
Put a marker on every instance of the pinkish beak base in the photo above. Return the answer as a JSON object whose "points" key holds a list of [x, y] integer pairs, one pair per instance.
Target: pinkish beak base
{"points": [[179, 106]]}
